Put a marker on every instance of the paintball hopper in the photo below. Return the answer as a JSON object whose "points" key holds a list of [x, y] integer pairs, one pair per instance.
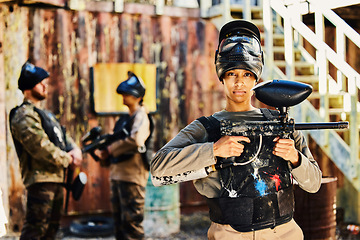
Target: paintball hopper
{"points": [[282, 93], [78, 185]]}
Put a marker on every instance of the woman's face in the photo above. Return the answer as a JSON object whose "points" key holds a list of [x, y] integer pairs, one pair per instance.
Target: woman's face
{"points": [[237, 86]]}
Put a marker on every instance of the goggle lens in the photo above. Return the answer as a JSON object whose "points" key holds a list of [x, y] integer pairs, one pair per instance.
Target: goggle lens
{"points": [[132, 81], [250, 44], [30, 68]]}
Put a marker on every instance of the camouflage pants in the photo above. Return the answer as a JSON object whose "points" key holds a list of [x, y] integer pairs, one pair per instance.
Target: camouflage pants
{"points": [[128, 200], [43, 211]]}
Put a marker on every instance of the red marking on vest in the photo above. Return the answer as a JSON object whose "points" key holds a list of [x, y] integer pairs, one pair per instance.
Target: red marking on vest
{"points": [[277, 180]]}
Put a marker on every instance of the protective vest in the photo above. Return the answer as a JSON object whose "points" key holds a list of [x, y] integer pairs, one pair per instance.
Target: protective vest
{"points": [[255, 195], [125, 121], [52, 128]]}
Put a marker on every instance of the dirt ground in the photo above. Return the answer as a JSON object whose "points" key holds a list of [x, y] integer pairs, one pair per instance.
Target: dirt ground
{"points": [[192, 227]]}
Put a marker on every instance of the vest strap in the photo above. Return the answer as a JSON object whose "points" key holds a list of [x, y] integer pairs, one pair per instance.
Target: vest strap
{"points": [[212, 126], [269, 115], [246, 214]]}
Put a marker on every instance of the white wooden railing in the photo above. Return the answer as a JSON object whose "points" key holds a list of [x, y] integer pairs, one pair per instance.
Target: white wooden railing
{"points": [[345, 156]]}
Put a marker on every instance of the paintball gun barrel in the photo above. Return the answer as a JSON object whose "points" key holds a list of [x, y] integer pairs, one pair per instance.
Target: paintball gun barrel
{"points": [[273, 128], [280, 94]]}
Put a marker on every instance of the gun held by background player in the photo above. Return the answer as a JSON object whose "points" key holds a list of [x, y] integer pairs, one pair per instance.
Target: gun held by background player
{"points": [[93, 140], [280, 94]]}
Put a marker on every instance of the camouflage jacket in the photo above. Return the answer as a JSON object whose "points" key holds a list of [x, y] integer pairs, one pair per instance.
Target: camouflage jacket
{"points": [[40, 159]]}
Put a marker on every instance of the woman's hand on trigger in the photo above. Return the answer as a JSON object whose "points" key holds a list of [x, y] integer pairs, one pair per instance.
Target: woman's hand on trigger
{"points": [[285, 148], [229, 146]]}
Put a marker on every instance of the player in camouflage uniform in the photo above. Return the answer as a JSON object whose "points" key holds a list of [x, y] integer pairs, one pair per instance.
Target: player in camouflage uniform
{"points": [[44, 150]]}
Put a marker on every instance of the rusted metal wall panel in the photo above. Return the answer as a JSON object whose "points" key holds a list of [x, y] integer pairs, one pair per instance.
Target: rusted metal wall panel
{"points": [[14, 41], [67, 43], [202, 93], [3, 166]]}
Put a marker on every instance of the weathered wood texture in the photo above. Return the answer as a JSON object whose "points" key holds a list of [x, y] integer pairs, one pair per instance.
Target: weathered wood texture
{"points": [[67, 43]]}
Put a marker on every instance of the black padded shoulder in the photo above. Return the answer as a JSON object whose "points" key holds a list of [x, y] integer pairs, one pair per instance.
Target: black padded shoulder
{"points": [[212, 126]]}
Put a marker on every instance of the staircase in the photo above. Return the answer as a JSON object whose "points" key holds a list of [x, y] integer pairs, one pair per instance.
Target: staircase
{"points": [[284, 36]]}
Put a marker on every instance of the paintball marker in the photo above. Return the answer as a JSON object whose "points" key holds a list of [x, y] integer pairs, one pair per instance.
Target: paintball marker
{"points": [[280, 94], [93, 140]]}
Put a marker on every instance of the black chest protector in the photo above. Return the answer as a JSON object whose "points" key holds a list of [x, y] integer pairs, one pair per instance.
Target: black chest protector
{"points": [[52, 128], [256, 193]]}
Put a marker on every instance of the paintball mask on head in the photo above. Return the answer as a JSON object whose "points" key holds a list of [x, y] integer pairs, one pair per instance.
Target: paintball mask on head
{"points": [[239, 48], [133, 86], [30, 76]]}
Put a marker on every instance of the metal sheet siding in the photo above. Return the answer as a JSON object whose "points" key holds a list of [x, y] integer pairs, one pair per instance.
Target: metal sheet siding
{"points": [[67, 43]]}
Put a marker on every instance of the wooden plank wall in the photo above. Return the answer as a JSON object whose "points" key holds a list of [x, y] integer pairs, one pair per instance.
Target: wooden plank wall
{"points": [[67, 43]]}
